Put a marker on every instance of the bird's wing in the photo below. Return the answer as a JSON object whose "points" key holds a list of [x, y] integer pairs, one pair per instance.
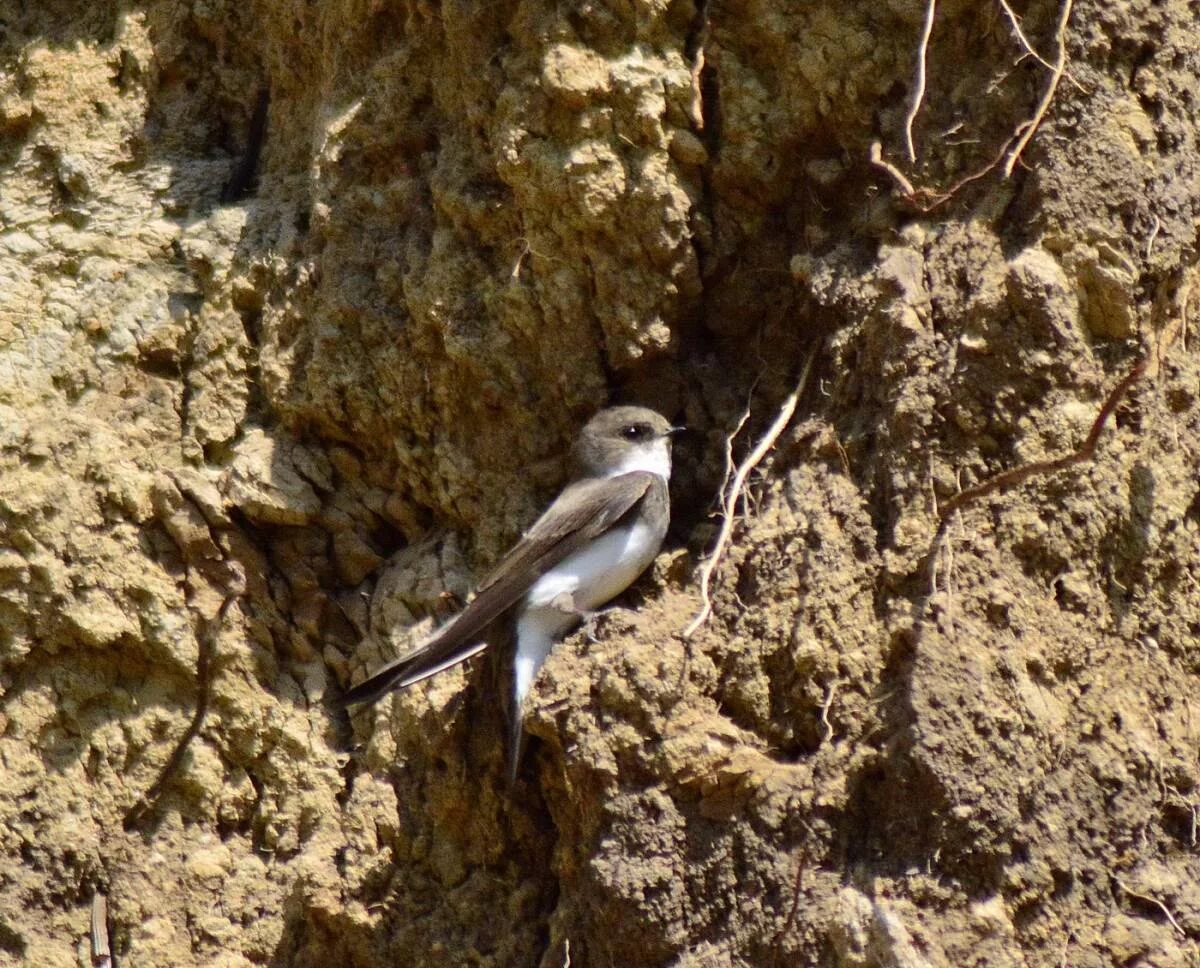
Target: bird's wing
{"points": [[583, 511]]}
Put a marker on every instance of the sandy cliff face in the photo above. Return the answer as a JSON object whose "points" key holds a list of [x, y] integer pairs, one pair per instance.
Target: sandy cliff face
{"points": [[300, 304]]}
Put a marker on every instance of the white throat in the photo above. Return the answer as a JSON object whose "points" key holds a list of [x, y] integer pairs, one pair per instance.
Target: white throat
{"points": [[654, 457]]}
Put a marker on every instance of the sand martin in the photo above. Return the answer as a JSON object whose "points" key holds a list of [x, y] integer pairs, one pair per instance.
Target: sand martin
{"points": [[599, 535]]}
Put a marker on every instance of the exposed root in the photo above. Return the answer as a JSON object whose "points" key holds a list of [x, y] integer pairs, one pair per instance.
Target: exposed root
{"points": [[825, 707], [206, 646], [1021, 38], [516, 269], [790, 920], [1192, 809], [877, 159], [1011, 478], [1183, 318], [1009, 154], [927, 200], [1148, 365], [1024, 42], [1154, 230], [1176, 329], [1060, 65], [101, 951], [734, 490], [1156, 902], [948, 550], [919, 87]]}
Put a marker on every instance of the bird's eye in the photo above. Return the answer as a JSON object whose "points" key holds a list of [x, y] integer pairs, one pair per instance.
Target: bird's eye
{"points": [[635, 432]]}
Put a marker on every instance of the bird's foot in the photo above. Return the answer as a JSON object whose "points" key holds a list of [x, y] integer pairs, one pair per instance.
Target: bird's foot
{"points": [[565, 602], [591, 620]]}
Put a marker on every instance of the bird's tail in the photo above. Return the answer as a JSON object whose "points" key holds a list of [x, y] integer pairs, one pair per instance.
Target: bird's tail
{"points": [[407, 671], [535, 638]]}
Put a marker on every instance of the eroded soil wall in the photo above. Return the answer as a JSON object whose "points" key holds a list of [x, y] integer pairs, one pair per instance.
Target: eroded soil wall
{"points": [[300, 304]]}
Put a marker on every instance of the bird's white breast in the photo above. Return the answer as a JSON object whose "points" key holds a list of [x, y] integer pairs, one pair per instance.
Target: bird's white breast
{"points": [[600, 570], [580, 583]]}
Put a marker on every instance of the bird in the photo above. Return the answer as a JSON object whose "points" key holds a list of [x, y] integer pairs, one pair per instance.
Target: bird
{"points": [[593, 541]]}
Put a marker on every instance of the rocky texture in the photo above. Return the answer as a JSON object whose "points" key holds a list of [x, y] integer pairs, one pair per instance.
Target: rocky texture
{"points": [[299, 306]]}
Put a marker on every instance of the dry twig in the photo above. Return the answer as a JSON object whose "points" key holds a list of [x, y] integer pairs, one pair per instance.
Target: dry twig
{"points": [[735, 490], [919, 88]]}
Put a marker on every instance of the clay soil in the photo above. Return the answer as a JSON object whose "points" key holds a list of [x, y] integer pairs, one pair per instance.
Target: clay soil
{"points": [[300, 306]]}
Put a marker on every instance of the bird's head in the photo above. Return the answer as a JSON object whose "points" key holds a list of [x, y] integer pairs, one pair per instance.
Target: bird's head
{"points": [[619, 440]]}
